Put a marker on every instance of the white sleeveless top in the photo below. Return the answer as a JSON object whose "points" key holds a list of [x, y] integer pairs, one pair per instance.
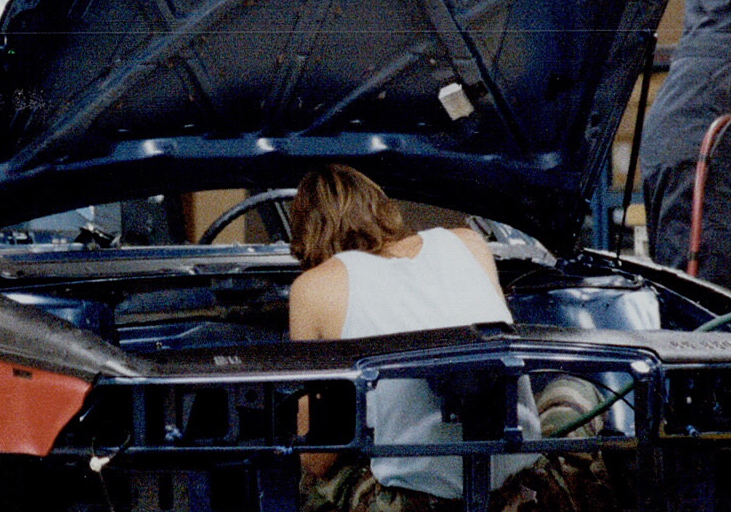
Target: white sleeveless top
{"points": [[443, 286]]}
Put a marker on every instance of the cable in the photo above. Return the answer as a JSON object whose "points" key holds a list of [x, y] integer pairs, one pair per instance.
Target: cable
{"points": [[595, 382], [105, 491], [715, 131], [98, 463], [716, 322], [596, 411]]}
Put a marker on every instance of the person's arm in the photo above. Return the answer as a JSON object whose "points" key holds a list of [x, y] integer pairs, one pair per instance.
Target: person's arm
{"points": [[318, 301], [317, 305], [316, 463], [303, 312], [482, 253]]}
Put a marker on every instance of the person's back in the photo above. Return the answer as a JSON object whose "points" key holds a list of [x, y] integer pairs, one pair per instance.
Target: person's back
{"points": [[442, 286]]}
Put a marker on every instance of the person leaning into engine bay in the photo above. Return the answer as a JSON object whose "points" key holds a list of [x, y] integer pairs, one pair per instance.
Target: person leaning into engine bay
{"points": [[365, 274]]}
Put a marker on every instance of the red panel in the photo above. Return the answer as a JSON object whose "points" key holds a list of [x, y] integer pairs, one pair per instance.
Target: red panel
{"points": [[34, 406]]}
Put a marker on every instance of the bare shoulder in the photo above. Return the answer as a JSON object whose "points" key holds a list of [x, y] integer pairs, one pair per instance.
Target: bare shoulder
{"points": [[327, 272], [471, 239], [317, 284], [318, 301]]}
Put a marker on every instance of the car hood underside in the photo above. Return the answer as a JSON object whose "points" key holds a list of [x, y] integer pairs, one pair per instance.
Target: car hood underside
{"points": [[505, 109]]}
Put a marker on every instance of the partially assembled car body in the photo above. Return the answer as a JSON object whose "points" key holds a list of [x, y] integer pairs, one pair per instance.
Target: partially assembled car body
{"points": [[144, 372]]}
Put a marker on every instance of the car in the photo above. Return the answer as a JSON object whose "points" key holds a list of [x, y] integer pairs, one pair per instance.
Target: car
{"points": [[147, 368]]}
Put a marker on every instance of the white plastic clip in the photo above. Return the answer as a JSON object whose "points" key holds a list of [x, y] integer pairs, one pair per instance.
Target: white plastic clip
{"points": [[97, 463], [455, 101]]}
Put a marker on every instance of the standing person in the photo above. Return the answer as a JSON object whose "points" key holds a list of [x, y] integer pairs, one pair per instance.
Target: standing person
{"points": [[366, 275], [696, 91]]}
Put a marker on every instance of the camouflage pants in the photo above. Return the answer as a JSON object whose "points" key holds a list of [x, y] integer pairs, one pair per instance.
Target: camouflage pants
{"points": [[573, 482], [567, 482], [351, 487]]}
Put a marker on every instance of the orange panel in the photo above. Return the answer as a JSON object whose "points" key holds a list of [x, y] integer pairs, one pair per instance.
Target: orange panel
{"points": [[34, 406]]}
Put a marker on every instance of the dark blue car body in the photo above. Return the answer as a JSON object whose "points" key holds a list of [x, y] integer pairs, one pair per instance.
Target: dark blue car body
{"points": [[144, 372]]}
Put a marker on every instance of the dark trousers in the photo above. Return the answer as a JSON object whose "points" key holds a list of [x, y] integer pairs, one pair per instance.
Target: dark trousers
{"points": [[696, 92]]}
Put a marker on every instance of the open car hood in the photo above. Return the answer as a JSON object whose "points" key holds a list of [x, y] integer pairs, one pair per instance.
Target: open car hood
{"points": [[114, 99]]}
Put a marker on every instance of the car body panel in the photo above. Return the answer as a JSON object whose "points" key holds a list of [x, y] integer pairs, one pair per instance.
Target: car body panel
{"points": [[187, 89], [170, 367], [37, 405]]}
